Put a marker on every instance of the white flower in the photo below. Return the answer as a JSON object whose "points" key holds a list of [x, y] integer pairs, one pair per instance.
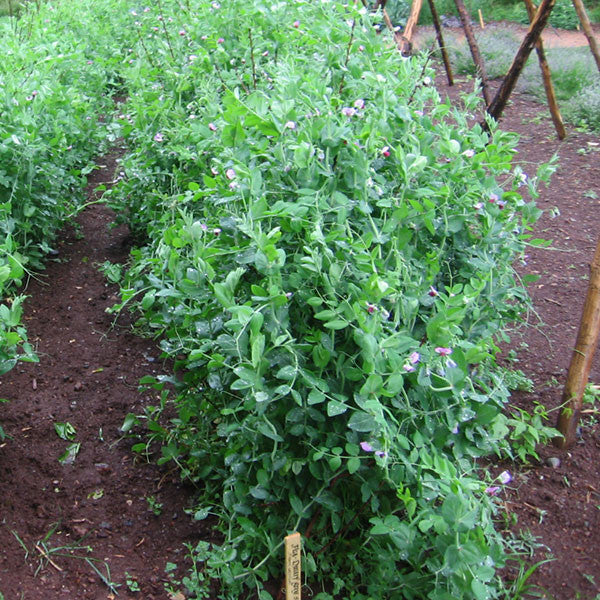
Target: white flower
{"points": [[469, 153], [230, 174], [290, 125]]}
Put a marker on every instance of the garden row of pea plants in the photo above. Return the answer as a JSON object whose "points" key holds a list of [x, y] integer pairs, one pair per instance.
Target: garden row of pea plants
{"points": [[51, 96], [325, 250]]}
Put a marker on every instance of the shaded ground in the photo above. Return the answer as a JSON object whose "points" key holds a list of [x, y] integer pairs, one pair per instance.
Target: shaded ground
{"points": [[89, 371], [87, 376]]}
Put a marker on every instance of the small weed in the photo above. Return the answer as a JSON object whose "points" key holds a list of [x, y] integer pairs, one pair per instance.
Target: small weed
{"points": [[155, 506], [43, 553], [132, 583]]}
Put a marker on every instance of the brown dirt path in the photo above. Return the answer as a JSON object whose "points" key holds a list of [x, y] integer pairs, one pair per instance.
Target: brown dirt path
{"points": [[87, 376], [551, 36]]}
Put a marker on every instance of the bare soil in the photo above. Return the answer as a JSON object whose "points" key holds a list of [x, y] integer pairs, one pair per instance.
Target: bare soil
{"points": [[88, 377]]}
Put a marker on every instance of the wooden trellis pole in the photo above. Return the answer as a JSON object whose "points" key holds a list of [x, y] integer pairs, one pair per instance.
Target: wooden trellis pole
{"points": [[413, 17], [440, 41], [587, 29], [466, 23], [497, 105], [547, 78], [581, 362]]}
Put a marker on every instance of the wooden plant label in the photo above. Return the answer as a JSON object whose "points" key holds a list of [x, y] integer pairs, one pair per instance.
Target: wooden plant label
{"points": [[293, 561]]}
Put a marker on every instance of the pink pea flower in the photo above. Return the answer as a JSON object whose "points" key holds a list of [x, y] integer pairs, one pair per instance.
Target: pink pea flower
{"points": [[230, 174], [414, 358], [360, 103], [371, 308], [220, 40], [367, 447], [217, 230], [159, 137], [443, 351], [182, 32], [478, 206], [505, 477], [469, 153], [494, 198], [348, 111], [433, 292], [212, 126], [492, 490], [296, 24], [385, 151], [409, 368]]}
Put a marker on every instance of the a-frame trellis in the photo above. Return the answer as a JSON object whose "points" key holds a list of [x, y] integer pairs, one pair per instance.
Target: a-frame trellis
{"points": [[538, 18]]}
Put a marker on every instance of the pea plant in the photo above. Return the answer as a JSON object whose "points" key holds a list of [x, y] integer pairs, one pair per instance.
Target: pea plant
{"points": [[53, 91], [325, 250]]}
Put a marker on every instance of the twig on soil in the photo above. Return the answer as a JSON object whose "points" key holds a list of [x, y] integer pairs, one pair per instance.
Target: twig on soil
{"points": [[45, 555]]}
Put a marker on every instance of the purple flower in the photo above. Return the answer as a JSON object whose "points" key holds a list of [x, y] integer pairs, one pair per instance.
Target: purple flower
{"points": [[230, 174], [217, 230], [360, 103], [414, 358], [290, 125], [505, 477], [159, 137], [367, 447], [212, 126], [182, 32], [478, 206], [433, 292], [371, 308], [454, 430], [409, 368], [443, 351], [380, 453], [494, 198], [348, 111], [220, 40], [385, 151], [296, 24], [492, 490]]}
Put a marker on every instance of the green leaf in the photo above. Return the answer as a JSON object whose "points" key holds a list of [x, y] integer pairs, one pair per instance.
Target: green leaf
{"points": [[65, 431], [362, 422]]}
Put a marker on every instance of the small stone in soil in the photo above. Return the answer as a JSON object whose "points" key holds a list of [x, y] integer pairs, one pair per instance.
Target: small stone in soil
{"points": [[553, 461]]}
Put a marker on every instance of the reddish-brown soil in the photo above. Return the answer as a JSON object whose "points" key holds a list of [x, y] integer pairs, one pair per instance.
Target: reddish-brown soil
{"points": [[88, 373]]}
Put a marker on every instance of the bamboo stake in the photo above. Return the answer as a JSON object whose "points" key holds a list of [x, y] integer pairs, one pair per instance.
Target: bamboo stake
{"points": [[581, 361], [547, 78], [440, 41], [481, 23], [413, 17], [587, 29], [466, 23], [497, 105]]}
